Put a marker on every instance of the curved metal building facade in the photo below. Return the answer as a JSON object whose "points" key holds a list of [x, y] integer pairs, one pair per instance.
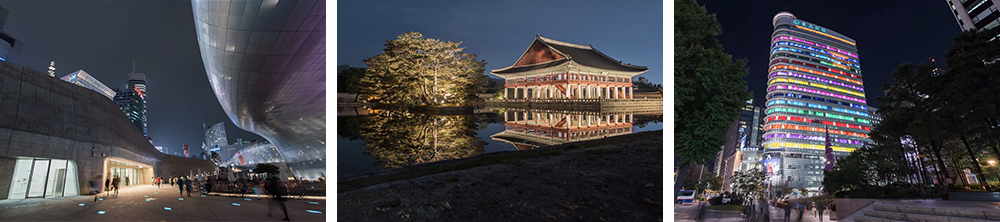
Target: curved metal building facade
{"points": [[814, 87], [266, 62]]}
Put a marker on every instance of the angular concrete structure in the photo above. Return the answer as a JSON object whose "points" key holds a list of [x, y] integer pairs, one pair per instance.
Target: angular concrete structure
{"points": [[266, 62], [56, 137]]}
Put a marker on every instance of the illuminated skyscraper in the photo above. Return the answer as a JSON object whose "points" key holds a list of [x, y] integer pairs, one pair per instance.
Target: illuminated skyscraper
{"points": [[132, 100], [215, 137], [814, 84], [52, 69], [975, 14]]}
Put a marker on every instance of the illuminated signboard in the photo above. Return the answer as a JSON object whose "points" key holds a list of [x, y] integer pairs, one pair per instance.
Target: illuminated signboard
{"points": [[771, 166], [808, 25]]}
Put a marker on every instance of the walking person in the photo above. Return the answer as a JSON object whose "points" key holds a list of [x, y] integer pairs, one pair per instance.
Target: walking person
{"points": [[126, 181], [159, 183], [180, 187], [115, 183], [187, 184], [788, 212], [819, 211], [801, 209], [107, 185], [276, 189]]}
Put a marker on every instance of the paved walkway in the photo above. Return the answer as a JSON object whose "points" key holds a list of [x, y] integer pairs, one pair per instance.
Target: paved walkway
{"points": [[147, 203], [778, 215]]}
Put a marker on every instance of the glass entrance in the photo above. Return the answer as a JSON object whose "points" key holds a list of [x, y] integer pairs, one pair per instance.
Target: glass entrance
{"points": [[43, 178], [132, 174]]}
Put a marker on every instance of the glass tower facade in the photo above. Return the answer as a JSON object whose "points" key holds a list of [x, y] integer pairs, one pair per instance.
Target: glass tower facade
{"points": [[132, 100], [215, 137], [814, 87]]}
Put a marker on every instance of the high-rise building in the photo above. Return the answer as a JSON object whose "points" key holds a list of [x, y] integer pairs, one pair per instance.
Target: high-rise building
{"points": [[52, 69], [814, 88], [10, 48], [742, 134], [975, 14], [82, 78], [132, 100], [215, 137], [289, 53]]}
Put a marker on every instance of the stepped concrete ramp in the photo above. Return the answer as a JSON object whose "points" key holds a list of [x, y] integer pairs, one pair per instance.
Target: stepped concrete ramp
{"points": [[927, 211]]}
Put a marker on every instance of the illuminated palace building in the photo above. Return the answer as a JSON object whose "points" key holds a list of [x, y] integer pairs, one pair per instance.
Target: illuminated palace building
{"points": [[551, 69], [814, 88]]}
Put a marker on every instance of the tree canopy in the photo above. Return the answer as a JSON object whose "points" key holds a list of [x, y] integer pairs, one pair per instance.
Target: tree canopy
{"points": [[708, 85], [413, 70]]}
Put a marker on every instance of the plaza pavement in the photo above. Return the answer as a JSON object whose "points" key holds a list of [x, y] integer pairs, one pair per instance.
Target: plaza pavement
{"points": [[147, 203]]}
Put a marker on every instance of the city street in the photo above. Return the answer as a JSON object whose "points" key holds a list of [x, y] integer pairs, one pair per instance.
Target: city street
{"points": [[147, 203], [778, 215], [686, 212]]}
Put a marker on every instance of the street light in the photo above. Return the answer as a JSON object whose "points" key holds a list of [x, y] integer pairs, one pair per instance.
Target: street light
{"points": [[993, 163]]}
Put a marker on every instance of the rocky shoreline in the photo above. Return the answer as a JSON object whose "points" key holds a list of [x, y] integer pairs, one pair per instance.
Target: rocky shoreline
{"points": [[616, 182]]}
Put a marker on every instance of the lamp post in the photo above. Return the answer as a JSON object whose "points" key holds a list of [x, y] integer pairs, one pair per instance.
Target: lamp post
{"points": [[993, 163]]}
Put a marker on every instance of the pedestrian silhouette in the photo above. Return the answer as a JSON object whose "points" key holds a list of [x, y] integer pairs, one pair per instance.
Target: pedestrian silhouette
{"points": [[277, 191]]}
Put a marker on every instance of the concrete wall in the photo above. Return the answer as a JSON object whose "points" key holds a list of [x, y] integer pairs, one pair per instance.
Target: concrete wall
{"points": [[46, 117]]}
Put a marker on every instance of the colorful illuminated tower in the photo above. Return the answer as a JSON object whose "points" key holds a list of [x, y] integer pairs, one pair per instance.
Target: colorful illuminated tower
{"points": [[814, 87], [52, 69]]}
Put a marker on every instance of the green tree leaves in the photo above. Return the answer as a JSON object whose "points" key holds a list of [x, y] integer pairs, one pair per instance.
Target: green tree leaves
{"points": [[413, 70]]}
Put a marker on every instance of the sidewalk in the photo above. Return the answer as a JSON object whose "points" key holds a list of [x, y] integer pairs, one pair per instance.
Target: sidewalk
{"points": [[147, 203], [778, 215]]}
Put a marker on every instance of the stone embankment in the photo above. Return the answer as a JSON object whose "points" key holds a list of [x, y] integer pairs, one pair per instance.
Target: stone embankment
{"points": [[613, 179]]}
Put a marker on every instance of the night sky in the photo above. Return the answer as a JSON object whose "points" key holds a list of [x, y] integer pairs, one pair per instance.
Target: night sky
{"points": [[104, 37], [888, 33], [500, 31]]}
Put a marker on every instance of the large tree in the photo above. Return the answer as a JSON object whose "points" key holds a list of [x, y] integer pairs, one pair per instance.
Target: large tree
{"points": [[349, 81], [708, 85], [413, 70]]}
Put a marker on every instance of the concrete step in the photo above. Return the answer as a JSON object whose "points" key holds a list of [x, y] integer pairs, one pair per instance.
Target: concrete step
{"points": [[879, 213], [863, 218], [958, 213]]}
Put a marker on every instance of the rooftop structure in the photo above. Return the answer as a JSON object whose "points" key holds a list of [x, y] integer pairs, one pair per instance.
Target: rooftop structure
{"points": [[82, 78]]}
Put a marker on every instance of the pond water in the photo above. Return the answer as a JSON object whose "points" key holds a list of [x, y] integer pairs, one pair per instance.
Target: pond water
{"points": [[381, 139]]}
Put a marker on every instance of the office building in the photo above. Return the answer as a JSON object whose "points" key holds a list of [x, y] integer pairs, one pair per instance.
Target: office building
{"points": [[10, 47], [215, 137], [743, 133], [814, 87], [975, 14], [268, 72], [82, 78], [132, 100]]}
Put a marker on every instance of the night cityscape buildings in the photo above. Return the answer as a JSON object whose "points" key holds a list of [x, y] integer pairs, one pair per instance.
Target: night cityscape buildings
{"points": [[744, 134], [215, 137], [90, 140], [975, 14], [551, 69], [132, 100], [10, 47], [82, 78], [266, 63], [814, 87]]}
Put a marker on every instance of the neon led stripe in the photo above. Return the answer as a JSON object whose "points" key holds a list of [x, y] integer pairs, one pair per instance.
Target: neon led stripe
{"points": [[808, 120], [817, 44], [807, 112], [814, 129], [835, 57], [810, 137], [824, 34], [818, 70], [806, 146], [817, 85], [820, 73], [814, 79], [817, 61], [796, 88], [842, 103], [839, 64]]}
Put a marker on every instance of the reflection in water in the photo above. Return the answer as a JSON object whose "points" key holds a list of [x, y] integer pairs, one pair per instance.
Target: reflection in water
{"points": [[536, 128], [399, 138]]}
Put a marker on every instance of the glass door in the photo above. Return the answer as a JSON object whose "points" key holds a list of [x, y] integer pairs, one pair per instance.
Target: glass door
{"points": [[39, 174]]}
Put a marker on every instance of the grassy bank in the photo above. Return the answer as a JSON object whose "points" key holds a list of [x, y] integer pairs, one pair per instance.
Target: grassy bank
{"points": [[490, 159]]}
